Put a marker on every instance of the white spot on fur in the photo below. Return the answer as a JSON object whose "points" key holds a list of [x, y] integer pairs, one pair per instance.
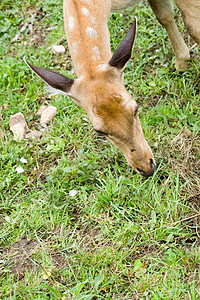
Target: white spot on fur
{"points": [[71, 23], [79, 67], [97, 53], [103, 67], [93, 20], [87, 1], [96, 50], [91, 32], [85, 11], [75, 48]]}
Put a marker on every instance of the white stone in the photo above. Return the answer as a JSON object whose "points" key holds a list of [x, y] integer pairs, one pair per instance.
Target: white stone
{"points": [[18, 126], [58, 49], [7, 218], [19, 170], [23, 160], [47, 115], [41, 109], [35, 134], [73, 193]]}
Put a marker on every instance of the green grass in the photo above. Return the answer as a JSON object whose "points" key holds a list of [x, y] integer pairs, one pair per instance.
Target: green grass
{"points": [[121, 236]]}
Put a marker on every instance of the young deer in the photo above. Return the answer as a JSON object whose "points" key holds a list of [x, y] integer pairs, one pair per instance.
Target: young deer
{"points": [[99, 89]]}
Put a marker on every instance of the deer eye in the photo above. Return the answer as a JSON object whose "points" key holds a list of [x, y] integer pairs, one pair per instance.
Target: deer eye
{"points": [[136, 111], [100, 132], [133, 150]]}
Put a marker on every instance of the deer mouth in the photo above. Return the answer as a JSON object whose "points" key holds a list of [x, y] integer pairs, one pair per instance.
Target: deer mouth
{"points": [[150, 172]]}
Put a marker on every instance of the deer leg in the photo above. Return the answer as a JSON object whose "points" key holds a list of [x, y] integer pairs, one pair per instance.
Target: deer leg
{"points": [[190, 11], [164, 12]]}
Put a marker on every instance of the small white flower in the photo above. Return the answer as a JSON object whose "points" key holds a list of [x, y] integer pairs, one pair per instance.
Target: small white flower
{"points": [[7, 218], [121, 15], [73, 193], [19, 170], [23, 160], [4, 75]]}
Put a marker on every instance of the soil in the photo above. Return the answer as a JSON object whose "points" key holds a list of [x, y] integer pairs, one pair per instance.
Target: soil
{"points": [[24, 256]]}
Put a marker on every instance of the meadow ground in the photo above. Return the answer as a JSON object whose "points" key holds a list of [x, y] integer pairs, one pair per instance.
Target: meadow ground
{"points": [[121, 236]]}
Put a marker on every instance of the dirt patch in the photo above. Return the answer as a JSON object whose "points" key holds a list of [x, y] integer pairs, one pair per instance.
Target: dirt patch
{"points": [[24, 256], [91, 238], [183, 157], [32, 29], [19, 257]]}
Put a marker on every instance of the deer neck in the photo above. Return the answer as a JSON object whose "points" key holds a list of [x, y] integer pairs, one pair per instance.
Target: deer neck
{"points": [[87, 34]]}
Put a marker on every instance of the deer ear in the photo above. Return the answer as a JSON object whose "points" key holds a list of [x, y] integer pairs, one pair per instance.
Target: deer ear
{"points": [[55, 80], [124, 50]]}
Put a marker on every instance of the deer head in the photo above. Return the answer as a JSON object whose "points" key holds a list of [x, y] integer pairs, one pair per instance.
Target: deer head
{"points": [[110, 108]]}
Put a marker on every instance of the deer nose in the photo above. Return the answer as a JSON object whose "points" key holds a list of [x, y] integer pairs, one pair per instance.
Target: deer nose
{"points": [[149, 173]]}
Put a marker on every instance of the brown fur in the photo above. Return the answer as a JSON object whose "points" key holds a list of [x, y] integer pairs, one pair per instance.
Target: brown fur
{"points": [[99, 89], [190, 10]]}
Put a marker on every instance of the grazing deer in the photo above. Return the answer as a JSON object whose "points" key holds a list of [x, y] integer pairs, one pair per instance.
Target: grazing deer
{"points": [[99, 88]]}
